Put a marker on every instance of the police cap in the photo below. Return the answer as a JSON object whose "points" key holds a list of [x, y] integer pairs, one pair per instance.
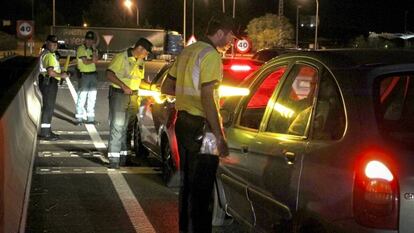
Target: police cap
{"points": [[146, 44], [90, 35], [52, 38]]}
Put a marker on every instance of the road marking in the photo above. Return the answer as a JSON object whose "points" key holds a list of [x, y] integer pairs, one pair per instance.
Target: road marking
{"points": [[97, 143], [97, 170], [83, 132], [131, 205]]}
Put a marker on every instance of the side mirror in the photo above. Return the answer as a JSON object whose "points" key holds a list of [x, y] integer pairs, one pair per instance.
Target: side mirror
{"points": [[226, 117]]}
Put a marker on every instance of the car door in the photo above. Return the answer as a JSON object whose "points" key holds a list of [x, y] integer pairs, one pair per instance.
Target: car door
{"points": [[150, 112], [234, 170], [275, 155]]}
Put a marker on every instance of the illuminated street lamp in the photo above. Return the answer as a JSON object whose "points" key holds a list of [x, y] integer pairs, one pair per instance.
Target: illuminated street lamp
{"points": [[128, 4]]}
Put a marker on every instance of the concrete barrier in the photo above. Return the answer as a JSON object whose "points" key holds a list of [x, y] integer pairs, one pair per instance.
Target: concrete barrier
{"points": [[20, 108]]}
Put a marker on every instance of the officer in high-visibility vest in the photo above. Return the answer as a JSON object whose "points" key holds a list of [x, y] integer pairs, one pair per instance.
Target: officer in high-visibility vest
{"points": [[194, 79], [126, 73], [87, 57], [50, 75]]}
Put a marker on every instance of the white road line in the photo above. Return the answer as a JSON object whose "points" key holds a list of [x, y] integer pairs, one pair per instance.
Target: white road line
{"points": [[96, 170], [98, 143], [83, 132], [131, 205]]}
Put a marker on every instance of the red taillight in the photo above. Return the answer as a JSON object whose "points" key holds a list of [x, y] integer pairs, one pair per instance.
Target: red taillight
{"points": [[376, 196], [240, 68]]}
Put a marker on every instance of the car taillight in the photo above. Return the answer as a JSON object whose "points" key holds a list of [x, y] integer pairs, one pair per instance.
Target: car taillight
{"points": [[376, 196], [240, 68]]}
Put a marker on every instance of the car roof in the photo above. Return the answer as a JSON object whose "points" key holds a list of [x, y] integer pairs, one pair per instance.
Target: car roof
{"points": [[356, 58]]}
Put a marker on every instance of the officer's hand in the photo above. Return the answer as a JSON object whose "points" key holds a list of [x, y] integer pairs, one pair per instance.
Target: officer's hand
{"points": [[222, 147], [95, 58], [126, 90]]}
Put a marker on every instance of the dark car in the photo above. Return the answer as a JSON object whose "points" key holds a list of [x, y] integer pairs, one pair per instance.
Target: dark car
{"points": [[323, 143], [265, 55], [154, 131]]}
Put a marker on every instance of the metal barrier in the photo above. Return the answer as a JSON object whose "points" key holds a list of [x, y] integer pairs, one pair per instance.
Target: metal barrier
{"points": [[20, 108]]}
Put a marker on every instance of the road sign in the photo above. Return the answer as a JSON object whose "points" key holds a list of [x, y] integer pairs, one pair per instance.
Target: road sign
{"points": [[243, 46], [25, 29], [192, 40], [107, 38]]}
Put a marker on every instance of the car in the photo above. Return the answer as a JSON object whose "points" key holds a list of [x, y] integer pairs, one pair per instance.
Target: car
{"points": [[265, 55], [154, 129], [323, 143]]}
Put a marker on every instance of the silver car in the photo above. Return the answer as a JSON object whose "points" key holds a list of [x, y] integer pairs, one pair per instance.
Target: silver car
{"points": [[323, 143]]}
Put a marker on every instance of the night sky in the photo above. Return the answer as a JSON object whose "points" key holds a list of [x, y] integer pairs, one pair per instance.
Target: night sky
{"points": [[336, 16]]}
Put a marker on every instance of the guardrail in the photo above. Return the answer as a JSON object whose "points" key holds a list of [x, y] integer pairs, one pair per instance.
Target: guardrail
{"points": [[20, 108]]}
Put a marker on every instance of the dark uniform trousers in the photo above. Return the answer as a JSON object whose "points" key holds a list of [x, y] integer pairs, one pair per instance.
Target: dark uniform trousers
{"points": [[197, 177], [48, 88]]}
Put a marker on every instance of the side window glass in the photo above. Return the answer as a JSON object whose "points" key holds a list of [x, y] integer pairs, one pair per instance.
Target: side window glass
{"points": [[293, 108], [253, 111], [329, 119]]}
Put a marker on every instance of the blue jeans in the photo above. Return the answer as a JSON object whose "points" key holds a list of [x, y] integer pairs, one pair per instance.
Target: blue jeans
{"points": [[122, 110], [87, 95]]}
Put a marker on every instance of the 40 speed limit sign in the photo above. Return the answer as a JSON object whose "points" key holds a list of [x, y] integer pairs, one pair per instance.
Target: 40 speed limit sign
{"points": [[243, 46], [25, 29]]}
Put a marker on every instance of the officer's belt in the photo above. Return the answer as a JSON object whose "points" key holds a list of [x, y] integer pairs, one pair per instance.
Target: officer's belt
{"points": [[118, 90]]}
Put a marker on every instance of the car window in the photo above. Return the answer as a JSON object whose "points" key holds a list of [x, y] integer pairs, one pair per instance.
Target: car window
{"points": [[293, 107], [255, 106], [329, 119], [394, 101]]}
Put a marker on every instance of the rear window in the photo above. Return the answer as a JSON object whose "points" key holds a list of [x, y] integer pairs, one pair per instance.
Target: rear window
{"points": [[394, 97]]}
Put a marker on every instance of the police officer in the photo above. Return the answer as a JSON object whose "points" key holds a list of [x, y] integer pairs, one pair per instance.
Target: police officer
{"points": [[126, 73], [50, 75], [194, 79], [87, 56]]}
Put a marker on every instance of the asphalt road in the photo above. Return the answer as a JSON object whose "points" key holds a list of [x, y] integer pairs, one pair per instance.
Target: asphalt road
{"points": [[74, 191]]}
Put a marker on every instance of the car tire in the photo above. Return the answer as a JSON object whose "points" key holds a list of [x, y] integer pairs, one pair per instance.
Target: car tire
{"points": [[139, 148], [169, 170], [219, 214]]}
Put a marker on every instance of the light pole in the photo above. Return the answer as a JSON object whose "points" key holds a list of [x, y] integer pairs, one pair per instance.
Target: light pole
{"points": [[128, 4], [224, 7], [234, 9], [192, 19], [54, 18], [297, 25], [317, 23], [184, 19]]}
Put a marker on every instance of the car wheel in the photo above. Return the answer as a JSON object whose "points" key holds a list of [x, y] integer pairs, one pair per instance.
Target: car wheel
{"points": [[219, 215], [168, 167], [140, 150]]}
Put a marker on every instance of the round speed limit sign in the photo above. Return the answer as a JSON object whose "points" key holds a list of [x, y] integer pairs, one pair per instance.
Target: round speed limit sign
{"points": [[24, 28], [243, 46]]}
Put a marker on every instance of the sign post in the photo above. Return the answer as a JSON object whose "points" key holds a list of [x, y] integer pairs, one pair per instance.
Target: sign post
{"points": [[25, 29], [243, 46]]}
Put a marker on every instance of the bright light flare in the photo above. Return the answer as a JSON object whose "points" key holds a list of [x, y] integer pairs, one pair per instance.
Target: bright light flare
{"points": [[128, 3], [377, 170], [225, 91], [239, 68], [284, 111]]}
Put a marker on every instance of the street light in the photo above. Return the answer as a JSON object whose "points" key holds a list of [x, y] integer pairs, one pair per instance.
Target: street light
{"points": [[297, 25], [128, 4], [317, 23]]}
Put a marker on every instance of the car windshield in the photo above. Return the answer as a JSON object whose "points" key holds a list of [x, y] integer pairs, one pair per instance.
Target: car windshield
{"points": [[394, 97]]}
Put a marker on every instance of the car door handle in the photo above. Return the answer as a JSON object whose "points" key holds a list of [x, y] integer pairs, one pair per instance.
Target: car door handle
{"points": [[244, 149], [290, 157]]}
